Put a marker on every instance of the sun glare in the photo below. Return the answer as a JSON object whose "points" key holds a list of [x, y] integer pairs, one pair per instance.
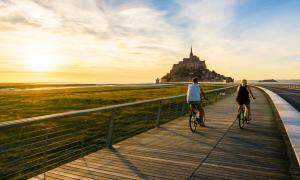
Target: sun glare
{"points": [[40, 62]]}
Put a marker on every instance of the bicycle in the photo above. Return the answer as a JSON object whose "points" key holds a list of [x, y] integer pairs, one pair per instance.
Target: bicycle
{"points": [[243, 117], [194, 121]]}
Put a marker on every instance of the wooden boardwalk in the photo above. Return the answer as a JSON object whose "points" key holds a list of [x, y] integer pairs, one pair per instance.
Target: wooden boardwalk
{"points": [[219, 151]]}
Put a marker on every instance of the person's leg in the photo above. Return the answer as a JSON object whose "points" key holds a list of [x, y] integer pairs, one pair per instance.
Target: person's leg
{"points": [[240, 106], [190, 107], [201, 110], [198, 110], [194, 109], [249, 112]]}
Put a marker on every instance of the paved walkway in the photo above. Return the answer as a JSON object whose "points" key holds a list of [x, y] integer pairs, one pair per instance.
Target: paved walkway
{"points": [[292, 96], [219, 151]]}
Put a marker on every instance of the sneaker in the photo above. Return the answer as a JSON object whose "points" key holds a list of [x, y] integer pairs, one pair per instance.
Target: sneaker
{"points": [[249, 118], [202, 124]]}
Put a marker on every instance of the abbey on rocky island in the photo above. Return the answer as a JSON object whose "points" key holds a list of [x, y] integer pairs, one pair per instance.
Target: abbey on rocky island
{"points": [[192, 67]]}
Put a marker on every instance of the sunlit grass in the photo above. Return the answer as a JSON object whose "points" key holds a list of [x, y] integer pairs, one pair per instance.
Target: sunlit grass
{"points": [[24, 104]]}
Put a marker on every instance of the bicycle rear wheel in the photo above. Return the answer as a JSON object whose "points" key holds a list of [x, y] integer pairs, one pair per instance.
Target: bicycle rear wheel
{"points": [[241, 120], [193, 121]]}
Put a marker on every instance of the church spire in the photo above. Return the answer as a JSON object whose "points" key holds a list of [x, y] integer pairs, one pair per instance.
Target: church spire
{"points": [[191, 53]]}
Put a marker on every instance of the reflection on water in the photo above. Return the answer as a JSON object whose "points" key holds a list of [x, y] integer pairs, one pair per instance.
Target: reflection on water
{"points": [[82, 86]]}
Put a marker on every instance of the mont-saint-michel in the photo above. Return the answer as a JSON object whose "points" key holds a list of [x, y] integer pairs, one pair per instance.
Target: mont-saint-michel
{"points": [[191, 67]]}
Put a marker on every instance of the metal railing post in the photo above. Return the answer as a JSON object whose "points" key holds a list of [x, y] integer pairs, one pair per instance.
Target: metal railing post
{"points": [[45, 154], [158, 115], [20, 163], [146, 117], [183, 108], [216, 96], [110, 130], [83, 134], [169, 110]]}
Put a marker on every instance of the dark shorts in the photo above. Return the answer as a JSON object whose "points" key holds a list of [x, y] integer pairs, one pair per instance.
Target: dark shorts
{"points": [[195, 104], [243, 101]]}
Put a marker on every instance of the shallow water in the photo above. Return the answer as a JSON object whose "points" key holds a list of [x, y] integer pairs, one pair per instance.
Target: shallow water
{"points": [[82, 86]]}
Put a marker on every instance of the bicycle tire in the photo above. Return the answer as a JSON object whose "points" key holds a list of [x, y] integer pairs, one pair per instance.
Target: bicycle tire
{"points": [[241, 120], [193, 122]]}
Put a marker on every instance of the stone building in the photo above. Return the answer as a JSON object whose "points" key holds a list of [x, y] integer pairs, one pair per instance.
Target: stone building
{"points": [[191, 67]]}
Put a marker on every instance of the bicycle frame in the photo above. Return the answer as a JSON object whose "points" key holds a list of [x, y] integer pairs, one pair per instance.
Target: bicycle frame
{"points": [[196, 117], [192, 109]]}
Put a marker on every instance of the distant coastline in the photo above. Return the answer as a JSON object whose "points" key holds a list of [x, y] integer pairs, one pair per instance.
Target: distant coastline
{"points": [[52, 85], [268, 80], [283, 81]]}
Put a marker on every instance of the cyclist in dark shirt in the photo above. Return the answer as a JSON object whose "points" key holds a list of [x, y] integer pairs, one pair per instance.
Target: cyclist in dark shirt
{"points": [[242, 96]]}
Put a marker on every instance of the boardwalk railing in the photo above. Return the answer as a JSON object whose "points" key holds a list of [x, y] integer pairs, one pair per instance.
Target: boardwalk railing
{"points": [[31, 146]]}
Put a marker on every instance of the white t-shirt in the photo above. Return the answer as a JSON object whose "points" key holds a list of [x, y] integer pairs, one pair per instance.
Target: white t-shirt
{"points": [[193, 93]]}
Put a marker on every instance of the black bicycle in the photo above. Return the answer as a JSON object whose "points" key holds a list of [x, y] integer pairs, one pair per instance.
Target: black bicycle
{"points": [[194, 120], [243, 117]]}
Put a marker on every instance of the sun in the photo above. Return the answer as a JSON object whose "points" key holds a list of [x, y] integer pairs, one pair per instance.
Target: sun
{"points": [[40, 62]]}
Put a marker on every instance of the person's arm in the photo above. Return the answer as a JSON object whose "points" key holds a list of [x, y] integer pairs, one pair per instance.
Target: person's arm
{"points": [[250, 91], [203, 94], [237, 93]]}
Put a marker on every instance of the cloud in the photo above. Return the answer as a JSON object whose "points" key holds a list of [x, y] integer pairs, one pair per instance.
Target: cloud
{"points": [[95, 32], [212, 27], [129, 35]]}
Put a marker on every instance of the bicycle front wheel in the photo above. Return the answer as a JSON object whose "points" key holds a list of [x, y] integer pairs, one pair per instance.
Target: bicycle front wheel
{"points": [[193, 122]]}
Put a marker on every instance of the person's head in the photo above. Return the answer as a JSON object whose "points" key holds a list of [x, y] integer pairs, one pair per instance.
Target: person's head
{"points": [[243, 82], [195, 80]]}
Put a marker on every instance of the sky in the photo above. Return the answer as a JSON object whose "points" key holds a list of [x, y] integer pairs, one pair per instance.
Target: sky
{"points": [[116, 41]]}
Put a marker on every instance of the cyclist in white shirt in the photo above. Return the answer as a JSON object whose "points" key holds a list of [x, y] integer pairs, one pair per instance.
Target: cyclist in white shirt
{"points": [[194, 94]]}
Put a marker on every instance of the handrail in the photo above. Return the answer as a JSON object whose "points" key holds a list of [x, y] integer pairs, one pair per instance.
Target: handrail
{"points": [[45, 118]]}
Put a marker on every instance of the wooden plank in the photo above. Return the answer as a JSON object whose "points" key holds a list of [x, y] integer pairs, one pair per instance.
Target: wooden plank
{"points": [[53, 176], [87, 172]]}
